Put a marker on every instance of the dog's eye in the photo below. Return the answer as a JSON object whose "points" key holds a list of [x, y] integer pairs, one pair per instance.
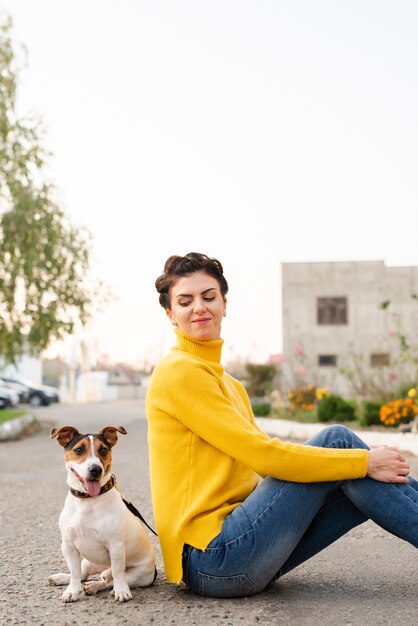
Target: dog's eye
{"points": [[103, 451], [79, 451]]}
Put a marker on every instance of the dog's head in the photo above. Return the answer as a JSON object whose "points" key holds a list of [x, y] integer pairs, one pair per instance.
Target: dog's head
{"points": [[88, 457]]}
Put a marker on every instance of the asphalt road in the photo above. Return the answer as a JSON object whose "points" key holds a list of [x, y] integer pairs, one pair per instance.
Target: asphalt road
{"points": [[367, 578]]}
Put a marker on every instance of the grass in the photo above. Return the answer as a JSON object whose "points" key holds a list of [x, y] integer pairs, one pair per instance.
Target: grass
{"points": [[295, 415], [10, 414]]}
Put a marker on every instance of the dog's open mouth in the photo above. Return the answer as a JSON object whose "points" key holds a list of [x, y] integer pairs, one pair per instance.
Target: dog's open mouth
{"points": [[91, 486]]}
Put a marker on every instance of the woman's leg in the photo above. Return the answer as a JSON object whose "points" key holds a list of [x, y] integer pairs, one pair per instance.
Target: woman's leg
{"points": [[393, 507], [281, 524], [259, 536]]}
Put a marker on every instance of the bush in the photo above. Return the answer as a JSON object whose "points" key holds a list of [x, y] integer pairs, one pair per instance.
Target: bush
{"points": [[404, 389], [302, 397], [261, 409], [336, 409], [259, 379], [371, 414], [296, 415], [400, 411]]}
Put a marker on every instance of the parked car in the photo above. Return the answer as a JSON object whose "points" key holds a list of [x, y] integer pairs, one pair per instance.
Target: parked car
{"points": [[39, 395], [9, 399], [21, 390]]}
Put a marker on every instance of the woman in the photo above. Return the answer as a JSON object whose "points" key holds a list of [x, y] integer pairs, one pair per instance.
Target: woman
{"points": [[235, 509]]}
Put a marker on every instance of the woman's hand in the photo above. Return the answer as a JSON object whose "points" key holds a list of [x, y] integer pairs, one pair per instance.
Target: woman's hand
{"points": [[387, 465]]}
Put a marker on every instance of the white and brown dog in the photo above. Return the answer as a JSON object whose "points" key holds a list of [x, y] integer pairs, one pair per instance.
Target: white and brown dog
{"points": [[99, 533]]}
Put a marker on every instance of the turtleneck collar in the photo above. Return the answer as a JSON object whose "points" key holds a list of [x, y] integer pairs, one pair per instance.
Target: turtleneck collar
{"points": [[205, 350]]}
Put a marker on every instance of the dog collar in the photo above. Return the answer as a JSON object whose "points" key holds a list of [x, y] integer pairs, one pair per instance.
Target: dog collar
{"points": [[82, 494]]}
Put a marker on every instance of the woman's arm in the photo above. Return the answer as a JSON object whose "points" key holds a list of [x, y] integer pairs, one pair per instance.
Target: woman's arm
{"points": [[200, 401]]}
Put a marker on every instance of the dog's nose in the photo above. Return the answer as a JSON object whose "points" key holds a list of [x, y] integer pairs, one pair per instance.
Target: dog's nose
{"points": [[95, 471]]}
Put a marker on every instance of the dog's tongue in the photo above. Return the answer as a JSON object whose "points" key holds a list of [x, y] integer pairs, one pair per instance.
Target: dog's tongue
{"points": [[92, 487]]}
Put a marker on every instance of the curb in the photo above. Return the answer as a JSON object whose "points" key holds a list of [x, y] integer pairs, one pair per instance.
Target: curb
{"points": [[405, 442], [13, 428]]}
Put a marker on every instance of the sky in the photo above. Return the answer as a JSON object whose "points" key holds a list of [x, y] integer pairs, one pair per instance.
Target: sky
{"points": [[255, 131]]}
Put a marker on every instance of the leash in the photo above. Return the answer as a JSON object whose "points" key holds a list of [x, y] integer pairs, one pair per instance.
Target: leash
{"points": [[133, 508], [135, 511], [109, 485]]}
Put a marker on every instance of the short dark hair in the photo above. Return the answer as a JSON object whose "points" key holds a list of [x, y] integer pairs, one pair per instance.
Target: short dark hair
{"points": [[177, 266]]}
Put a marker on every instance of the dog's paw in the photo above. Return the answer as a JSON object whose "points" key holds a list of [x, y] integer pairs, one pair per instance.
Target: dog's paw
{"points": [[91, 587], [122, 593], [59, 579], [72, 593]]}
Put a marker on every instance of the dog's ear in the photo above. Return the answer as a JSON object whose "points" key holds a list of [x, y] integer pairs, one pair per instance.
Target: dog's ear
{"points": [[110, 434], [64, 434]]}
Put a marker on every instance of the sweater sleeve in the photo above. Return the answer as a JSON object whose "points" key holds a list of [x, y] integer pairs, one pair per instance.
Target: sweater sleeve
{"points": [[203, 406]]}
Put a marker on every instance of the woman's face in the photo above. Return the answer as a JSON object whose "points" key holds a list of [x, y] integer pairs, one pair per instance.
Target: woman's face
{"points": [[197, 306]]}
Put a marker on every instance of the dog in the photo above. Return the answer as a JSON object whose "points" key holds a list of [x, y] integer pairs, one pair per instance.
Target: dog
{"points": [[100, 535]]}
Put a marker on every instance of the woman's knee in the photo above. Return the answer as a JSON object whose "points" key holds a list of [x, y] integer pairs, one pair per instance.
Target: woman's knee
{"points": [[336, 436], [337, 432]]}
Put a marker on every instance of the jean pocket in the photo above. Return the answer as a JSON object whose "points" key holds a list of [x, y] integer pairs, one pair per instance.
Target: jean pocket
{"points": [[225, 586]]}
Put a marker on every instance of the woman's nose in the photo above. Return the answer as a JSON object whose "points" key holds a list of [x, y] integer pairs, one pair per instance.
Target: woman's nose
{"points": [[199, 305]]}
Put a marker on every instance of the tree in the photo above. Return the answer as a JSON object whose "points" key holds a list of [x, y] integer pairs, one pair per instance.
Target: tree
{"points": [[44, 260]]}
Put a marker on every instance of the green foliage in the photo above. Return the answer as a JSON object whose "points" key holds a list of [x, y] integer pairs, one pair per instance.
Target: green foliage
{"points": [[371, 414], [384, 305], [44, 260], [403, 389], [296, 415], [261, 409], [336, 409], [302, 397], [259, 379]]}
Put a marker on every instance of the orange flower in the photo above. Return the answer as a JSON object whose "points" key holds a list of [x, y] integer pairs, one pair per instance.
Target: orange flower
{"points": [[399, 411]]}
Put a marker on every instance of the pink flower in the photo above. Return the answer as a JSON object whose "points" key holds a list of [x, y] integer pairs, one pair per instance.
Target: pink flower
{"points": [[299, 351], [393, 376], [277, 359], [392, 333], [301, 370]]}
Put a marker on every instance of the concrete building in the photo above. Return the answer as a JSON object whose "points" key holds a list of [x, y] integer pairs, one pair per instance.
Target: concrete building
{"points": [[27, 367], [333, 309]]}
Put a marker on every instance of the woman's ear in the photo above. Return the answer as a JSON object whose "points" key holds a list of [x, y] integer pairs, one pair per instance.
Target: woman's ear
{"points": [[224, 313], [169, 314]]}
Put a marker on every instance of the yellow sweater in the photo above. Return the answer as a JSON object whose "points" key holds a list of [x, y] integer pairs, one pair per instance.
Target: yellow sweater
{"points": [[207, 452]]}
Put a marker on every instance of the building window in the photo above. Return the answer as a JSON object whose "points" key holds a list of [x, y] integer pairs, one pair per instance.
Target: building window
{"points": [[327, 360], [332, 311], [379, 360]]}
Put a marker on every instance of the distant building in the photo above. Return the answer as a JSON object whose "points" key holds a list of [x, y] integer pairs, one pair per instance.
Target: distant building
{"points": [[27, 367], [330, 308], [123, 374], [53, 370]]}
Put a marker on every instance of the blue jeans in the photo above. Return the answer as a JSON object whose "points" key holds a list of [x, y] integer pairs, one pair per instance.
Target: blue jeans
{"points": [[282, 524]]}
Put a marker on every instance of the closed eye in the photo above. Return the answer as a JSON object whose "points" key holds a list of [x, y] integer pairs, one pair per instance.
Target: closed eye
{"points": [[187, 303]]}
